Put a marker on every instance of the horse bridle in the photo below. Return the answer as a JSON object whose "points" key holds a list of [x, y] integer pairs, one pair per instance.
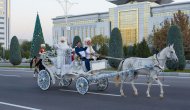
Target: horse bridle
{"points": [[158, 63]]}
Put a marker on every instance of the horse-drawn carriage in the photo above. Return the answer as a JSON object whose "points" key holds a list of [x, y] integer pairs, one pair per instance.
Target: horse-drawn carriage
{"points": [[72, 71]]}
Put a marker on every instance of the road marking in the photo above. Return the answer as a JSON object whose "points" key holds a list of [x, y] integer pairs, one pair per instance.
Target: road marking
{"points": [[180, 77], [94, 93], [141, 83], [19, 106], [17, 71], [5, 75]]}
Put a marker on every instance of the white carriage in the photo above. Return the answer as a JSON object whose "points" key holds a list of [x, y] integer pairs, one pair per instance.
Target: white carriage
{"points": [[72, 71]]}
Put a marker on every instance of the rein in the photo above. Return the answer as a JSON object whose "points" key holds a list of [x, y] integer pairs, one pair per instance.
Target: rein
{"points": [[112, 57]]}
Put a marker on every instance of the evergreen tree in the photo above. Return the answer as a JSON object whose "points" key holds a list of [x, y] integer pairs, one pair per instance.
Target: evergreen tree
{"points": [[38, 38], [75, 40], [25, 49], [160, 35], [103, 50], [134, 51], [15, 53], [175, 37], [143, 50], [130, 51], [125, 51], [115, 47], [1, 51]]}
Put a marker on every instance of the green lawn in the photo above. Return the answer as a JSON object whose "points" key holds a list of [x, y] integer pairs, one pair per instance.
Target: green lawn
{"points": [[182, 71]]}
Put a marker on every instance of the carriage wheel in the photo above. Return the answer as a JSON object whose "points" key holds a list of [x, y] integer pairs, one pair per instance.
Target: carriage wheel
{"points": [[65, 82], [102, 84], [44, 80], [82, 85]]}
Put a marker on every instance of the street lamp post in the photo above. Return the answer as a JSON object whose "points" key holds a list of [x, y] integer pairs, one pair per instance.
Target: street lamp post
{"points": [[66, 6]]}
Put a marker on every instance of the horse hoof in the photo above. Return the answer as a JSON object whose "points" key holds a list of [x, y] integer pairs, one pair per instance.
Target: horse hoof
{"points": [[34, 75], [148, 96], [123, 95], [161, 96], [135, 94]]}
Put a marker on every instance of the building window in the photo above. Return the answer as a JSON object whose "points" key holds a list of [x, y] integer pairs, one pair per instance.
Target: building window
{"points": [[1, 32], [128, 25], [1, 27], [1, 22], [1, 17]]}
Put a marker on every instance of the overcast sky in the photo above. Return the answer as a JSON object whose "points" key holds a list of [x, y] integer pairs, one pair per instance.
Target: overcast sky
{"points": [[23, 14]]}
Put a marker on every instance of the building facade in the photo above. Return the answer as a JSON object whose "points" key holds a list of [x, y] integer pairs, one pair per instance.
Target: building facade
{"points": [[134, 19], [161, 12], [87, 25], [5, 23]]}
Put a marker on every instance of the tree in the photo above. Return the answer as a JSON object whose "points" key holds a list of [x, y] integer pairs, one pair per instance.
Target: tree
{"points": [[75, 40], [48, 47], [7, 54], [103, 50], [1, 50], [125, 51], [38, 38], [100, 44], [130, 51], [175, 37], [182, 20], [25, 49], [160, 34], [115, 47], [15, 53], [134, 51], [143, 50]]}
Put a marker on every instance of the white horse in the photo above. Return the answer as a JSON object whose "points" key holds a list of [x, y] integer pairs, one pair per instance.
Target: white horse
{"points": [[149, 66]]}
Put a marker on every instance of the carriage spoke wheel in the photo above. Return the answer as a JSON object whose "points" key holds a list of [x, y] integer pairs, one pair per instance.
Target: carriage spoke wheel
{"points": [[65, 82], [102, 84], [44, 80], [82, 85]]}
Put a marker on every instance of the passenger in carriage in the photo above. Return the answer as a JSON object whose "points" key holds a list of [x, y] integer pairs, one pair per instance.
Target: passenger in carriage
{"points": [[80, 51], [61, 48], [41, 51], [90, 53]]}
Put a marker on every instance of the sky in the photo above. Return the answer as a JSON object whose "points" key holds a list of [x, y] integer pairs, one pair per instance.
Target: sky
{"points": [[23, 14]]}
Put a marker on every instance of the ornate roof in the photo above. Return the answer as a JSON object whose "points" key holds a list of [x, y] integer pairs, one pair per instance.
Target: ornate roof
{"points": [[120, 2]]}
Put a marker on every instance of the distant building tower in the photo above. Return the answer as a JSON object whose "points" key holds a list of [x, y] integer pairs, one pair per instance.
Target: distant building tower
{"points": [[5, 23]]}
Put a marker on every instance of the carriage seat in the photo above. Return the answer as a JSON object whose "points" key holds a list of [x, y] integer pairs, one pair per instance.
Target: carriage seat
{"points": [[98, 65]]}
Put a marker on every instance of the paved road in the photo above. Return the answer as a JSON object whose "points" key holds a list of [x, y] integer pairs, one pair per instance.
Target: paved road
{"points": [[19, 91], [9, 64]]}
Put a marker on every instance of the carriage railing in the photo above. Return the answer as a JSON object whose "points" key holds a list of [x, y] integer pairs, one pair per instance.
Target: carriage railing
{"points": [[50, 57]]}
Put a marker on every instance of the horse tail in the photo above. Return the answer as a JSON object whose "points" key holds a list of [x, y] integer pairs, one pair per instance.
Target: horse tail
{"points": [[117, 79]]}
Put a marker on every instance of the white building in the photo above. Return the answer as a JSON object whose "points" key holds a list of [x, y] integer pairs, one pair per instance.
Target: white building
{"points": [[134, 19], [87, 25], [5, 23]]}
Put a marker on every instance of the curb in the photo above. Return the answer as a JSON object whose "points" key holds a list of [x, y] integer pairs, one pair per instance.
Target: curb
{"points": [[175, 74]]}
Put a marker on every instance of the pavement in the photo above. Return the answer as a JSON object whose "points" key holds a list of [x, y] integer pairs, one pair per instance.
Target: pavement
{"points": [[9, 64], [19, 91]]}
